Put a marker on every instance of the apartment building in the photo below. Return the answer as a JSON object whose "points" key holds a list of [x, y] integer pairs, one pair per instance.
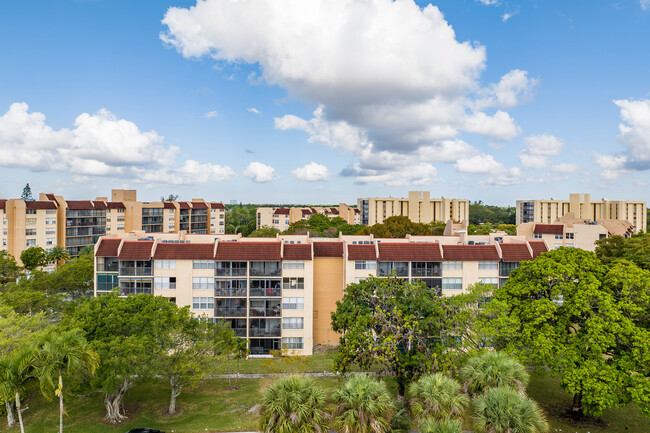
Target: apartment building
{"points": [[280, 292], [281, 218], [419, 207], [581, 207], [73, 224]]}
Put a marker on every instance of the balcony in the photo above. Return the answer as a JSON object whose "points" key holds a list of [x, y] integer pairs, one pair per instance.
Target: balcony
{"points": [[230, 291], [230, 312], [260, 291]]}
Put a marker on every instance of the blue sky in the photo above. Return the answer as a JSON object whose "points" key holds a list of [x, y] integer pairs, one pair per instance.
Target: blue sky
{"points": [[321, 101]]}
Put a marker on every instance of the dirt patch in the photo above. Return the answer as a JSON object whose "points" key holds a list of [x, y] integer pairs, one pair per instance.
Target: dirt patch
{"points": [[569, 417], [131, 411], [165, 412]]}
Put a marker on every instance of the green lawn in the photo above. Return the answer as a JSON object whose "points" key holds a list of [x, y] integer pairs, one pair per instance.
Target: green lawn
{"points": [[212, 407]]}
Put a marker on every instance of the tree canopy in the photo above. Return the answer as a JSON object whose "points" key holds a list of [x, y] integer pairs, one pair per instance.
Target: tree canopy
{"points": [[635, 249], [9, 269], [400, 226], [33, 258], [586, 321], [480, 213]]}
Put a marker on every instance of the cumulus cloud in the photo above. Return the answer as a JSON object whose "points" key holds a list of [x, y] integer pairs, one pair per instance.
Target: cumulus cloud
{"points": [[254, 110], [565, 167], [259, 172], [489, 2], [211, 114], [397, 88], [311, 172], [538, 149], [611, 166], [505, 17], [645, 4], [482, 163], [100, 144]]}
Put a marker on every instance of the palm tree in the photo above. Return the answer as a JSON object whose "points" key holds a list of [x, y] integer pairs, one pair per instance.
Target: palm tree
{"points": [[15, 372], [363, 406], [493, 369], [504, 410], [437, 396], [293, 404], [58, 254], [58, 352], [447, 425]]}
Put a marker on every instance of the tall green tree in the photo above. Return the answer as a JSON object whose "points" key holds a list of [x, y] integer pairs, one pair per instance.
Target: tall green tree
{"points": [[390, 322], [27, 193], [492, 370], [131, 336], [363, 405], [265, 232], [9, 269], [293, 404], [56, 353], [170, 197], [20, 330], [585, 321], [635, 249], [438, 397], [33, 258], [15, 373], [504, 410], [58, 254]]}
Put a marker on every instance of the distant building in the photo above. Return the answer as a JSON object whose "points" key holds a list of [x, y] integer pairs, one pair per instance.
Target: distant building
{"points": [[419, 207], [280, 218], [583, 208]]}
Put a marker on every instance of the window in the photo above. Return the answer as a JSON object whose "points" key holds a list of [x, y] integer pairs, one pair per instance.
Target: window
{"points": [[507, 267], [50, 231], [172, 226], [30, 221], [537, 235], [202, 283], [570, 235], [386, 268], [230, 287], [106, 282], [265, 269], [293, 323], [365, 264], [559, 237], [452, 266], [293, 283], [571, 245], [292, 343], [558, 246], [107, 264], [425, 269], [30, 243], [452, 284], [30, 211], [120, 226], [50, 211], [230, 269], [30, 232], [50, 221], [165, 264], [488, 265], [165, 283], [293, 264], [50, 241], [293, 303], [203, 264], [120, 219], [492, 281], [108, 219], [203, 303]]}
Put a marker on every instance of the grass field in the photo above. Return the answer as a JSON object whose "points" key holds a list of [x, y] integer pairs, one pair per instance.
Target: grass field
{"points": [[212, 407]]}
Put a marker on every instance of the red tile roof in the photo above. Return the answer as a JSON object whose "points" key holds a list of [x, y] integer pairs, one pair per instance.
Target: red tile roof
{"points": [[549, 229], [199, 205], [80, 204], [538, 247], [297, 252], [281, 211], [99, 204], [409, 252], [515, 252], [254, 251], [334, 210], [135, 250], [217, 205], [50, 196], [169, 205], [357, 210], [3, 203], [361, 252], [470, 253], [165, 251], [115, 205], [108, 247], [306, 212], [183, 205], [328, 249], [40, 205]]}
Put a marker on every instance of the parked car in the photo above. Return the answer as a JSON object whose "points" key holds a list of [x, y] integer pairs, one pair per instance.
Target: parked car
{"points": [[145, 430]]}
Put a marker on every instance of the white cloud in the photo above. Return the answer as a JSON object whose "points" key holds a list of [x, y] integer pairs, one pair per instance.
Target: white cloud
{"points": [[259, 172], [611, 166], [254, 110], [512, 176], [100, 144], [565, 167], [190, 173], [311, 172], [531, 160], [512, 89], [482, 163], [381, 86], [418, 174], [506, 16], [635, 131], [489, 2], [211, 114], [645, 4], [544, 144]]}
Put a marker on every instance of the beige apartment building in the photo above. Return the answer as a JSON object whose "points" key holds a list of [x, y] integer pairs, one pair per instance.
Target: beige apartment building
{"points": [[279, 293], [280, 218], [583, 208], [419, 207], [73, 224]]}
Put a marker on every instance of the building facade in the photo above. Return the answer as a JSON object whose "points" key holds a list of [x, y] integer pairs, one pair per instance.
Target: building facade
{"points": [[581, 207], [280, 218], [279, 293], [419, 207]]}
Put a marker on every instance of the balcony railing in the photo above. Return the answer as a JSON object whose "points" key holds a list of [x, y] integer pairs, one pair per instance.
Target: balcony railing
{"points": [[266, 312], [230, 292], [260, 332], [230, 312], [266, 292]]}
